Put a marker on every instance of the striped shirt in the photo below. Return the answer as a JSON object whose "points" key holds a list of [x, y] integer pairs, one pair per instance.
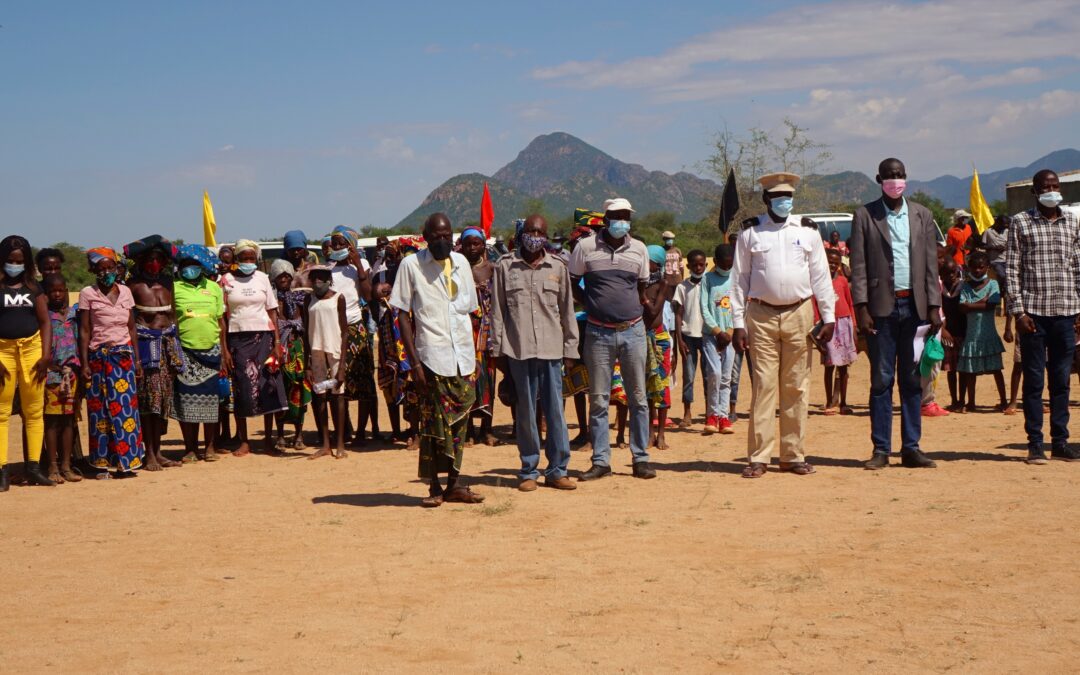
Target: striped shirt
{"points": [[1042, 264]]}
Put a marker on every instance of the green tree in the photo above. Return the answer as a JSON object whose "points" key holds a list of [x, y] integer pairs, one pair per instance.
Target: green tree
{"points": [[761, 151], [942, 215]]}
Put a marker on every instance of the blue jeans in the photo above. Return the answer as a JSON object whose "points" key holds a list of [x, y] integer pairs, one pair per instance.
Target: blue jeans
{"points": [[718, 364], [541, 377], [690, 366], [736, 375], [892, 356], [1049, 349], [603, 346]]}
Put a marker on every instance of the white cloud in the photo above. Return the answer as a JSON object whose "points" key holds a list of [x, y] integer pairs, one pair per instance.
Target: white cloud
{"points": [[394, 148]]}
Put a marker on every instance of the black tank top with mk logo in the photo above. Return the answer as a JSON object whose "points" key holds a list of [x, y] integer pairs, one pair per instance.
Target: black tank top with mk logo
{"points": [[17, 316]]}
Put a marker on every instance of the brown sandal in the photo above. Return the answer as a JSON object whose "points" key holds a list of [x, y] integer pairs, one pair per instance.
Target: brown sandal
{"points": [[70, 476], [463, 495], [754, 470], [798, 468]]}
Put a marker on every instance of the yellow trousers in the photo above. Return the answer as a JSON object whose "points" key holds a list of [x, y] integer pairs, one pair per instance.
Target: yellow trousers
{"points": [[779, 354], [19, 357]]}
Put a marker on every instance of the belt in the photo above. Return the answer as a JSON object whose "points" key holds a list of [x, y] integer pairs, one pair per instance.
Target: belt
{"points": [[618, 327], [903, 294], [779, 308]]}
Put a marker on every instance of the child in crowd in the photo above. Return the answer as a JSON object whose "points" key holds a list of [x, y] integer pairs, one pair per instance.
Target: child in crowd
{"points": [[688, 327], [660, 290], [952, 279], [718, 354], [291, 303], [982, 348], [62, 391], [839, 352], [327, 330]]}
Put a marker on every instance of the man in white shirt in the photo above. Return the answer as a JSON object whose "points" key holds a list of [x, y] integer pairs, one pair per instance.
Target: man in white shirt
{"points": [[779, 264], [436, 286]]}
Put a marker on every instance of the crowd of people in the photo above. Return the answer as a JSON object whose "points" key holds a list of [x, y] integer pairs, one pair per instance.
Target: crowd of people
{"points": [[205, 337]]}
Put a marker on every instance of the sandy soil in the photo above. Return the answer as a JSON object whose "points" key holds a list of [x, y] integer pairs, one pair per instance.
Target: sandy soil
{"points": [[281, 564]]}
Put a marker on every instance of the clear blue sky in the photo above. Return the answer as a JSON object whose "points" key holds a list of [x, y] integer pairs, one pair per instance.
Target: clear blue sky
{"points": [[116, 115]]}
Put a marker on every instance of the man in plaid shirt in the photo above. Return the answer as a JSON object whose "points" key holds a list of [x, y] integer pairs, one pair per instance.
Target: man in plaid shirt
{"points": [[1042, 266]]}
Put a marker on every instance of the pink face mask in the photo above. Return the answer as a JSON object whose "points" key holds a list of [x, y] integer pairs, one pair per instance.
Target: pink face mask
{"points": [[893, 187]]}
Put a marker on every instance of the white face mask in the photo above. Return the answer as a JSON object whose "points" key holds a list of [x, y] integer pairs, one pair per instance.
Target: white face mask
{"points": [[1050, 199]]}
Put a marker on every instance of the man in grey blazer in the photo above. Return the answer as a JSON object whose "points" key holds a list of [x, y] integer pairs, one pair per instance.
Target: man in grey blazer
{"points": [[894, 284]]}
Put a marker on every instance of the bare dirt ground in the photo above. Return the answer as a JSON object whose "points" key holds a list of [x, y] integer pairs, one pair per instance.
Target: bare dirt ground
{"points": [[281, 564]]}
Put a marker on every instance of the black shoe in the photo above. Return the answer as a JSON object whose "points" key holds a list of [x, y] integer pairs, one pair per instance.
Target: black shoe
{"points": [[643, 470], [879, 461], [595, 471], [34, 475], [1036, 456], [915, 459], [1065, 453], [4, 485]]}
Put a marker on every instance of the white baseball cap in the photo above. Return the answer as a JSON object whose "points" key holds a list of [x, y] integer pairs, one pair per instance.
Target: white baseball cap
{"points": [[617, 204]]}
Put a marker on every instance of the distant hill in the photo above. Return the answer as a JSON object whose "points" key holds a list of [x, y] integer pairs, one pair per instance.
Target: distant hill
{"points": [[565, 173], [953, 191]]}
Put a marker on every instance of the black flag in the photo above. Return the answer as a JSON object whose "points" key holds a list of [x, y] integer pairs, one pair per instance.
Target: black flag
{"points": [[729, 203]]}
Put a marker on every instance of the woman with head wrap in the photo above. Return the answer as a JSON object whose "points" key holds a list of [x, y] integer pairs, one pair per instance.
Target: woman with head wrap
{"points": [[349, 274], [252, 349], [291, 301], [106, 349], [474, 248], [297, 254], [200, 319], [158, 348], [25, 346]]}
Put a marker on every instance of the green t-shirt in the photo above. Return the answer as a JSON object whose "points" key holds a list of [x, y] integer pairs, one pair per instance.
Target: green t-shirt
{"points": [[199, 306]]}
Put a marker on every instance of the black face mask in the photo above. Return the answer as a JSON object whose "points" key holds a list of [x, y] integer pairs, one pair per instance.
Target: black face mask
{"points": [[440, 248]]}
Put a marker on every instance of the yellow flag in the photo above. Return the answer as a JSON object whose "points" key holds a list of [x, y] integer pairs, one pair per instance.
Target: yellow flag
{"points": [[979, 210], [209, 227]]}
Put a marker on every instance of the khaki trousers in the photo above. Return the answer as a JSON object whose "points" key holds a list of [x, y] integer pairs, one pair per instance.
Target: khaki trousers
{"points": [[780, 359]]}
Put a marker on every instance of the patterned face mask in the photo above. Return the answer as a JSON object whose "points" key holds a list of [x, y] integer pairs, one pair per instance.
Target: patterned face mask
{"points": [[533, 243]]}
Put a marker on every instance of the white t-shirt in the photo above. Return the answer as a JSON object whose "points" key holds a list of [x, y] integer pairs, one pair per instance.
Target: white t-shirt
{"points": [[688, 294], [343, 279], [247, 299]]}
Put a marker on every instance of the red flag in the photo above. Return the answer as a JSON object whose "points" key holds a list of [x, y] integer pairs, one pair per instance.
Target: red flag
{"points": [[487, 213]]}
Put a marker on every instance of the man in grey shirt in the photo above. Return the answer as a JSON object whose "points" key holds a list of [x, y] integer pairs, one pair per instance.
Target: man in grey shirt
{"points": [[534, 332]]}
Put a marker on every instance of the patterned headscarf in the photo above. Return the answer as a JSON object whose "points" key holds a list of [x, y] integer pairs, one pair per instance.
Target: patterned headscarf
{"points": [[200, 254], [350, 234], [246, 245], [96, 255]]}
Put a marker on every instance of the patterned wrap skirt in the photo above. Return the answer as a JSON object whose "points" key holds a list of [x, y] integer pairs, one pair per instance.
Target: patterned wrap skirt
{"points": [[197, 393], [444, 415], [112, 407], [359, 363], [658, 368], [256, 390]]}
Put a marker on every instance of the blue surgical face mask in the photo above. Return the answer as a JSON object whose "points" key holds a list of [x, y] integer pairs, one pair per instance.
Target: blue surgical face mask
{"points": [[781, 206], [618, 228], [338, 254], [247, 269], [721, 271], [976, 279], [13, 270], [191, 272], [1050, 199]]}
